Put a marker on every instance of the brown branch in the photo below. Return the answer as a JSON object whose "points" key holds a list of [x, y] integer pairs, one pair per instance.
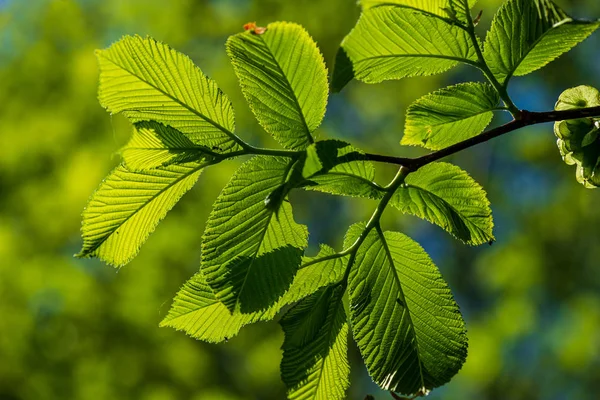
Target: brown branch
{"points": [[526, 118]]}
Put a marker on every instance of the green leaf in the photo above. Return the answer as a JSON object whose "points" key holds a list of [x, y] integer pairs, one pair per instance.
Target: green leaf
{"points": [[284, 80], [343, 71], [315, 350], [127, 206], [404, 319], [197, 311], [461, 9], [442, 8], [251, 252], [326, 268], [447, 196], [148, 81], [336, 167], [395, 42], [450, 115], [528, 34], [155, 145]]}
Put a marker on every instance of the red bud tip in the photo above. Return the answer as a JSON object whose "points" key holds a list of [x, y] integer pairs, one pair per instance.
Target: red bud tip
{"points": [[250, 26]]}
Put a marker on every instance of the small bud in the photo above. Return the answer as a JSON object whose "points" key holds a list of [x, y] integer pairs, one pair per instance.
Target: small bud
{"points": [[256, 30], [250, 26], [477, 18], [259, 30]]}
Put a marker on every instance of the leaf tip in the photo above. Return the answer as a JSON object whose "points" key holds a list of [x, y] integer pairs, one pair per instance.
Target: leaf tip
{"points": [[82, 254], [166, 322]]}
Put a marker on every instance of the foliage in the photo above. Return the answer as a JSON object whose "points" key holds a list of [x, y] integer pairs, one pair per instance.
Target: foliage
{"points": [[402, 314]]}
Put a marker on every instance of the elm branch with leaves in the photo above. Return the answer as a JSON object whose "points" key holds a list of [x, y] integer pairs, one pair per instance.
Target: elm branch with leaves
{"points": [[399, 310]]}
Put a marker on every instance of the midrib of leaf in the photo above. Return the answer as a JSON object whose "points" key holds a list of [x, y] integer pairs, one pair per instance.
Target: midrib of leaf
{"points": [[262, 238], [176, 100], [532, 46], [465, 218], [405, 308], [428, 136], [291, 89], [150, 200], [417, 55], [339, 173], [192, 311], [331, 331], [463, 119], [175, 150], [322, 259]]}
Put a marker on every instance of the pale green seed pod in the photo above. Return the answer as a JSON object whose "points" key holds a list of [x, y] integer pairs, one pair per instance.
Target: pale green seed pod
{"points": [[561, 130], [579, 139]]}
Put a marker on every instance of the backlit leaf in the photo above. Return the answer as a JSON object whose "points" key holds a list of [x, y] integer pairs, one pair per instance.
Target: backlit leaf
{"points": [[404, 319], [156, 145], [528, 34], [336, 167], [396, 42], [450, 115], [284, 79], [198, 312], [447, 196], [441, 8], [251, 251], [315, 349], [148, 81], [127, 206]]}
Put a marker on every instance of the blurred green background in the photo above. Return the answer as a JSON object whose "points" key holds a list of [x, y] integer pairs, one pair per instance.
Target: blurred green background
{"points": [[78, 329]]}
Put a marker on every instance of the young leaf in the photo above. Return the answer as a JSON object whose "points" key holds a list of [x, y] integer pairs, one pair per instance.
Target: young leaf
{"points": [[450, 115], [155, 145], [147, 80], [127, 206], [447, 196], [336, 167], [528, 34], [404, 319], [395, 42], [197, 311], [251, 251], [284, 80], [315, 349]]}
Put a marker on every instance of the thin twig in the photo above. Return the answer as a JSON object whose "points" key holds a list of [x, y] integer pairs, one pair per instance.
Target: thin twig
{"points": [[526, 118]]}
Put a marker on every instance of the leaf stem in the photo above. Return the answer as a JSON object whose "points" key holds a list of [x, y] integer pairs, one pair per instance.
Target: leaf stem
{"points": [[271, 152], [482, 65], [526, 118], [390, 189]]}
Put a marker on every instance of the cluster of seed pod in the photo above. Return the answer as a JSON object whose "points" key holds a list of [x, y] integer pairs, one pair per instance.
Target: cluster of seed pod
{"points": [[579, 139]]}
